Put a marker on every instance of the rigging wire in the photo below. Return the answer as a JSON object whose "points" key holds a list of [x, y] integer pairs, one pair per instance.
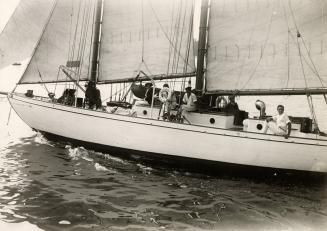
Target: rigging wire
{"points": [[249, 42], [42, 80], [84, 38], [75, 33], [288, 46], [176, 37], [165, 33], [304, 45], [171, 34], [70, 33], [179, 38], [142, 32], [190, 39], [262, 53], [309, 97]]}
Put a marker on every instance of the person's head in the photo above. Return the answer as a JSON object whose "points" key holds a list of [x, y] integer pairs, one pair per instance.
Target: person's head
{"points": [[188, 89], [231, 98], [91, 84], [166, 85], [280, 109]]}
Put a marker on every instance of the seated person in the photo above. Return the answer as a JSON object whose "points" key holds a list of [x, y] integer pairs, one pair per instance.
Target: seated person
{"points": [[92, 96], [167, 98], [279, 124], [149, 94], [68, 97], [231, 105], [62, 99], [189, 101]]}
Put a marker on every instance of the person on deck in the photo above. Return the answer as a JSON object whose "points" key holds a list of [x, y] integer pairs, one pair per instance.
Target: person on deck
{"points": [[148, 93], [167, 99], [189, 101], [93, 96], [68, 97], [231, 105], [279, 124]]}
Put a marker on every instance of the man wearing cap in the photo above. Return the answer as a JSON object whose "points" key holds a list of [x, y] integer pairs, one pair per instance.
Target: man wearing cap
{"points": [[190, 100]]}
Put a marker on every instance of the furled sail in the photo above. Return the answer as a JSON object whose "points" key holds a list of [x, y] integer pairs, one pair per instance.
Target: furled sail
{"points": [[23, 30], [63, 52], [153, 36], [267, 46]]}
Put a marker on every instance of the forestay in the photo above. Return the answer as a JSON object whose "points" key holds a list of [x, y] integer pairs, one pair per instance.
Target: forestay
{"points": [[266, 45], [23, 30], [67, 41], [153, 36]]}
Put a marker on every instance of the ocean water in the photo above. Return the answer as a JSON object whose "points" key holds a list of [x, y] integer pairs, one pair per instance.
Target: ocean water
{"points": [[48, 185]]}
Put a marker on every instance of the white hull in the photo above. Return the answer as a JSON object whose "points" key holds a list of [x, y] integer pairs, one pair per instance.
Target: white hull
{"points": [[156, 136]]}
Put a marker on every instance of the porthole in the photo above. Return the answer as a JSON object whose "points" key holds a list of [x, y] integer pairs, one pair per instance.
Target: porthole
{"points": [[145, 112], [212, 120], [259, 126]]}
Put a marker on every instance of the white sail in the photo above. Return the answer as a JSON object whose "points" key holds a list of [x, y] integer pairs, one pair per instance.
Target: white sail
{"points": [[267, 45], [66, 41], [21, 33], [157, 31]]}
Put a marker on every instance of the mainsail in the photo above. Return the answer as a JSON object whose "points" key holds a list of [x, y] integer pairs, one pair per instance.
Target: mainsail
{"points": [[153, 36], [267, 46], [23, 30], [66, 42]]}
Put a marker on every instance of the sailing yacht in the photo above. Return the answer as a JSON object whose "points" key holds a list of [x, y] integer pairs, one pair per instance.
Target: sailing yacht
{"points": [[245, 48]]}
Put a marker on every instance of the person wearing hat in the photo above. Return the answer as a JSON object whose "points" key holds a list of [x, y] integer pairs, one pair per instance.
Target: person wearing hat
{"points": [[189, 101], [92, 96]]}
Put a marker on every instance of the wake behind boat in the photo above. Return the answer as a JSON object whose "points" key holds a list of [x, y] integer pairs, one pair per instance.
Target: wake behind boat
{"points": [[123, 45]]}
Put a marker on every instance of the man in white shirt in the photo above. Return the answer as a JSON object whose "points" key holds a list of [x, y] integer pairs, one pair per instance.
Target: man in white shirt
{"points": [[189, 101], [279, 124]]}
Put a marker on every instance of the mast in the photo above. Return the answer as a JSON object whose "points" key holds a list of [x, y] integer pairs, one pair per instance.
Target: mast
{"points": [[96, 42], [202, 45]]}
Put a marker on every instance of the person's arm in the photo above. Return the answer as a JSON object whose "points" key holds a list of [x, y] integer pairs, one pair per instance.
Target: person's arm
{"points": [[184, 101], [289, 128], [195, 99], [273, 118], [269, 119]]}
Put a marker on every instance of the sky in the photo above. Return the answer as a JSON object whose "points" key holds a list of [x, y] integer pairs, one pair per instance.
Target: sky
{"points": [[6, 9]]}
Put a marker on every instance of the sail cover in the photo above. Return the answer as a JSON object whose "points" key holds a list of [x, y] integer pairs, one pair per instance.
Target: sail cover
{"points": [[23, 30], [266, 45], [66, 41], [159, 32]]}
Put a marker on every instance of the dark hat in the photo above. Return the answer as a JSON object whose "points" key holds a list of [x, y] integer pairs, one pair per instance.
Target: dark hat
{"points": [[148, 84], [188, 88], [166, 85]]}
